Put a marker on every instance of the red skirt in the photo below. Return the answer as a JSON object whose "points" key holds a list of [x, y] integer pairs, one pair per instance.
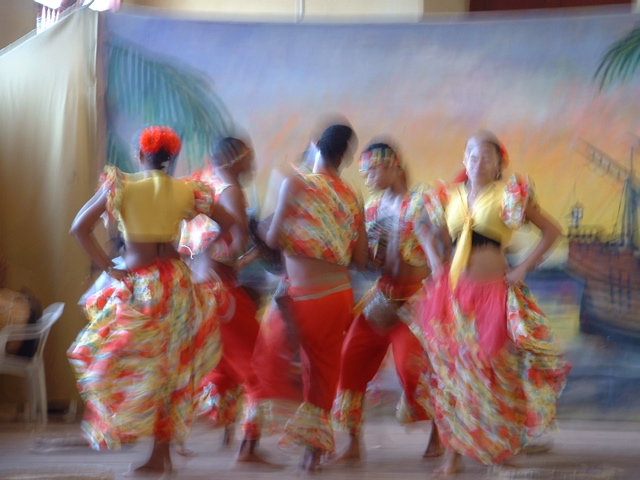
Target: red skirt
{"points": [[497, 368]]}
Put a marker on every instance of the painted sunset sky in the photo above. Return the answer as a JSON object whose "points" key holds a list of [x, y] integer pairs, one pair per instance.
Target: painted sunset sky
{"points": [[427, 86]]}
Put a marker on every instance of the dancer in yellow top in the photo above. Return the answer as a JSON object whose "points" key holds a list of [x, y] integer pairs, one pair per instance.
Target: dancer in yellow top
{"points": [[152, 334], [498, 370]]}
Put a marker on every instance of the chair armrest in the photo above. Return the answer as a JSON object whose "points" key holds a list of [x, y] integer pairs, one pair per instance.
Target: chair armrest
{"points": [[22, 332]]}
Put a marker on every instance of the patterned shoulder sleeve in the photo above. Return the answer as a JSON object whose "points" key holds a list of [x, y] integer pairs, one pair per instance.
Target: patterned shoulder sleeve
{"points": [[435, 199], [203, 196], [359, 207], [518, 195], [112, 180]]}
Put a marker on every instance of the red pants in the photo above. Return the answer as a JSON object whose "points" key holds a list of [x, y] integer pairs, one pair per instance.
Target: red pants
{"points": [[235, 372], [321, 324], [364, 350], [319, 319], [276, 358]]}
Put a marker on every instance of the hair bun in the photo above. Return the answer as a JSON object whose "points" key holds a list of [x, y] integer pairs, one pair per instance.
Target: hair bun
{"points": [[158, 138]]}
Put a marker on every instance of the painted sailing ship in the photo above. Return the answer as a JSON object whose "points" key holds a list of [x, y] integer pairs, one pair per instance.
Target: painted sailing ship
{"points": [[609, 264]]}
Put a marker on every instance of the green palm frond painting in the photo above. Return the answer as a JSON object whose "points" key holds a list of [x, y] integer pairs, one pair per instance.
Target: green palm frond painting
{"points": [[117, 153], [620, 61], [150, 90]]}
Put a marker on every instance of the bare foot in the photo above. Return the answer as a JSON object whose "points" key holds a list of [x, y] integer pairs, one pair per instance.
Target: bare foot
{"points": [[159, 461], [329, 457], [517, 461], [247, 454], [311, 460], [255, 459], [539, 445], [434, 447], [350, 455], [229, 434], [181, 449], [450, 467], [148, 470]]}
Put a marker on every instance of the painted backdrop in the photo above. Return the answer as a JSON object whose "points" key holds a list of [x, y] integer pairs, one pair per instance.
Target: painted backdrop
{"points": [[427, 86]]}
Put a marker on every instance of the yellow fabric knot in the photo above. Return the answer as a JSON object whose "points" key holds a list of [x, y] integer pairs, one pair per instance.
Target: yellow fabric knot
{"points": [[463, 250]]}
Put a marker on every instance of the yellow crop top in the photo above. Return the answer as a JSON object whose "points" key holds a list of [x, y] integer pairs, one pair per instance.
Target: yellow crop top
{"points": [[149, 206], [498, 210]]}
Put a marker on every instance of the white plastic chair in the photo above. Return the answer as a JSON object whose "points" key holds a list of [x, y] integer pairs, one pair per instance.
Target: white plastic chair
{"points": [[31, 368]]}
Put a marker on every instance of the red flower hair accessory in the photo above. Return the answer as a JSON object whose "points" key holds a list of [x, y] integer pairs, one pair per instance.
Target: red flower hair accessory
{"points": [[461, 177], [157, 138], [504, 154]]}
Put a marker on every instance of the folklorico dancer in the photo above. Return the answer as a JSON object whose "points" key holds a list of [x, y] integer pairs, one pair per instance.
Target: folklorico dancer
{"points": [[215, 262], [318, 222], [393, 219], [497, 367], [152, 333]]}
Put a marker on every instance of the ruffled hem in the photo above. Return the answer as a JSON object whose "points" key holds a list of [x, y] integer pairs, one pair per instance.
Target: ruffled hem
{"points": [[140, 360], [197, 234], [435, 198], [99, 432], [221, 408], [423, 408], [203, 199], [491, 397], [310, 427], [518, 194], [348, 411], [258, 420], [112, 180]]}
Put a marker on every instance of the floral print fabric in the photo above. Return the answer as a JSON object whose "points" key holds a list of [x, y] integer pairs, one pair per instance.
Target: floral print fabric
{"points": [[516, 195], [497, 368], [310, 427], [491, 397], [150, 339], [409, 222], [139, 362], [202, 233], [324, 220]]}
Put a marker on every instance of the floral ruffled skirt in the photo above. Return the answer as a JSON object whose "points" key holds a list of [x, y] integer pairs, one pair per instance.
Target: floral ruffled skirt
{"points": [[140, 361], [497, 368]]}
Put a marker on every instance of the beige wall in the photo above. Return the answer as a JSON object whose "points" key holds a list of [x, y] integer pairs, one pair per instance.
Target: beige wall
{"points": [[297, 10], [17, 18], [364, 7], [445, 6], [277, 7]]}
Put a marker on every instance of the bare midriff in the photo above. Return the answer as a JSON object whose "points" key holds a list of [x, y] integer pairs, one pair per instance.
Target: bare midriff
{"points": [[311, 272], [404, 274], [202, 266], [399, 271], [486, 263], [140, 254]]}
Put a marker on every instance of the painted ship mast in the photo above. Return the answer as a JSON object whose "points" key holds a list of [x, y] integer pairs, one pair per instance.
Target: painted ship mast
{"points": [[609, 266], [630, 191]]}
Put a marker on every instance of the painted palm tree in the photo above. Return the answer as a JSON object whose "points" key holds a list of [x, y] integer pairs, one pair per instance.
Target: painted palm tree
{"points": [[145, 89], [620, 61]]}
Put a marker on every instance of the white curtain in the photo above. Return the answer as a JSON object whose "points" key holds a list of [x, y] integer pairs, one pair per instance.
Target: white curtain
{"points": [[48, 125]]}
